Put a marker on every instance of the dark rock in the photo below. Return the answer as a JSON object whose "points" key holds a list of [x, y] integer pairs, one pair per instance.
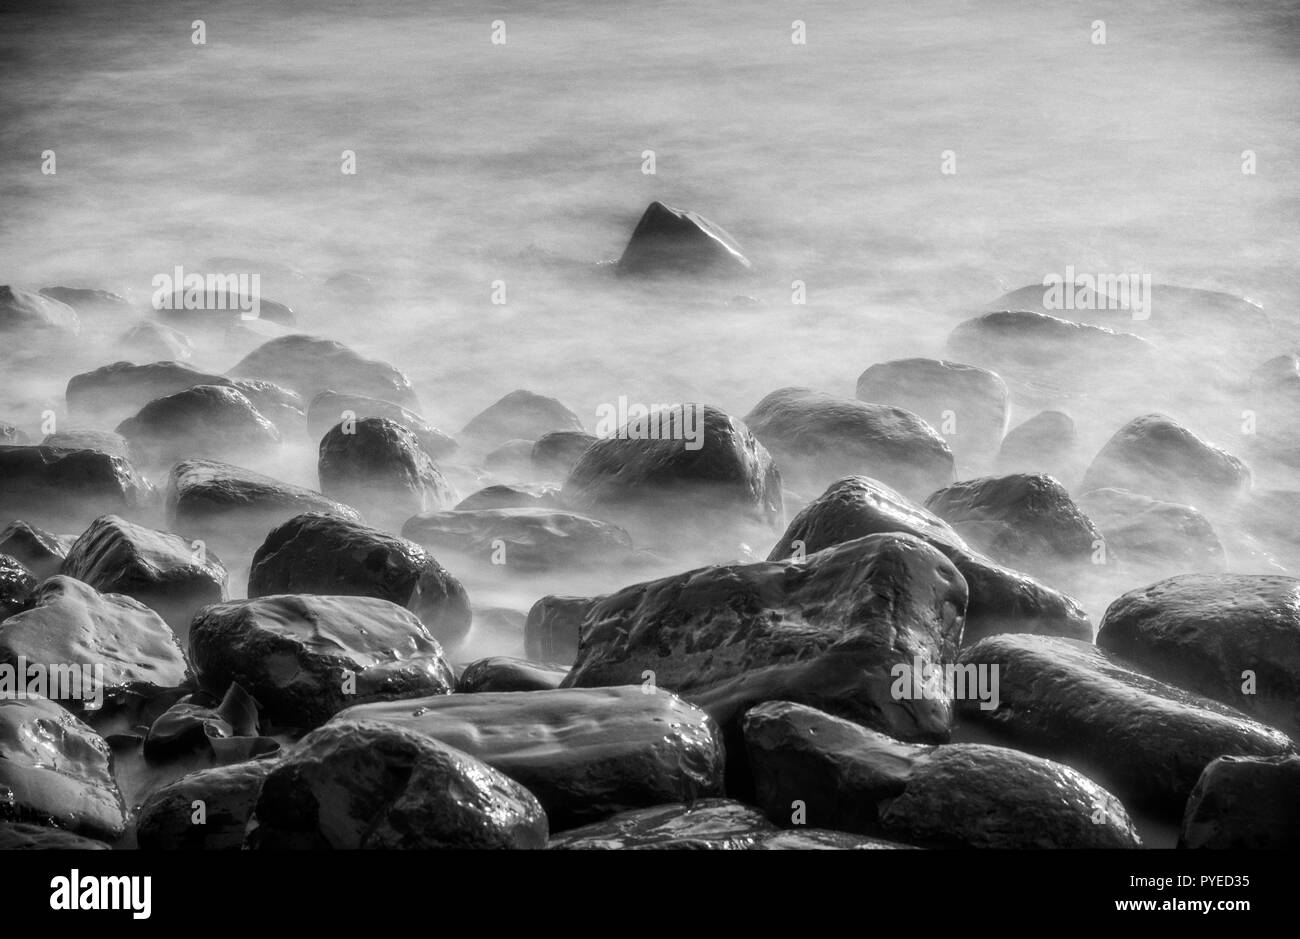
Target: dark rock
{"points": [[371, 785], [310, 365], [22, 310], [17, 586], [1156, 456], [817, 438], [330, 408], [520, 415], [969, 406], [1024, 343], [104, 441], [502, 673], [151, 341], [553, 626], [226, 733], [960, 795], [669, 240], [227, 795], [1231, 637], [1163, 538], [1046, 443], [585, 754], [522, 539], [556, 453], [67, 488], [21, 836], [517, 496], [55, 770], [827, 632], [282, 407], [1250, 803], [203, 422], [166, 573], [708, 825], [88, 301], [1140, 738], [332, 556], [35, 548], [112, 393], [1001, 599], [304, 658]]}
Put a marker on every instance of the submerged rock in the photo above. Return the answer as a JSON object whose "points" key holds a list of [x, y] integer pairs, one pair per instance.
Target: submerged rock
{"points": [[1250, 803], [112, 393], [555, 453], [669, 240], [205, 422], [1046, 443], [522, 539], [518, 496], [1160, 537], [519, 415], [1022, 343], [65, 489], [330, 408], [88, 301], [310, 365], [24, 311], [153, 342]]}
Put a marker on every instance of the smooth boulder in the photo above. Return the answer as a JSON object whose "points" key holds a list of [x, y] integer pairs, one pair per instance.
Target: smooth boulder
{"points": [[311, 364], [1245, 803], [330, 408], [672, 241], [65, 489], [520, 415], [214, 422], [1162, 538]]}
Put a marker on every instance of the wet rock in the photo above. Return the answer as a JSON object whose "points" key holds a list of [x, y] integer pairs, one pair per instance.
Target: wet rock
{"points": [[704, 477], [310, 365], [304, 658], [1250, 803], [149, 341], [371, 785], [1000, 599], [232, 507], [166, 573], [522, 539], [1024, 343], [1156, 456], [553, 626], [203, 422], [960, 795], [709, 824], [826, 632], [511, 460], [90, 302], [1163, 538], [228, 795], [1231, 637], [326, 555], [585, 753], [969, 406], [556, 453], [24, 311], [378, 466], [102, 440], [516, 496], [282, 407], [65, 489], [112, 393], [817, 438], [330, 408], [1046, 443], [502, 673], [56, 771], [21, 836], [35, 548], [669, 240], [73, 628], [1142, 739], [520, 415], [17, 586], [224, 731], [1028, 521]]}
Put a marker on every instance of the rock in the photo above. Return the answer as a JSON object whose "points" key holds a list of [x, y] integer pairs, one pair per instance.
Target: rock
{"points": [[282, 407], [817, 438], [233, 508], [67, 488], [17, 585], [516, 496], [310, 365], [228, 795], [669, 241], [35, 548], [502, 673], [1000, 600], [511, 460], [554, 454], [102, 440], [330, 408], [709, 824], [21, 836], [13, 436], [112, 393], [553, 626], [1028, 521], [96, 646], [709, 478], [86, 301], [378, 466], [1164, 538], [304, 658], [203, 422], [163, 571], [522, 540], [969, 406], [1156, 456], [370, 785], [826, 632], [150, 341], [332, 556], [24, 311], [585, 753], [520, 415], [1140, 738], [1046, 443], [961, 795], [1250, 803], [1231, 637], [221, 308], [820, 839], [54, 770], [224, 731]]}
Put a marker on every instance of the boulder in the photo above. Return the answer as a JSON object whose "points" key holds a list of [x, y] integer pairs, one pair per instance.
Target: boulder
{"points": [[24, 311], [35, 548], [503, 673], [105, 441], [512, 460], [304, 658], [17, 586], [282, 407], [1250, 803], [310, 365], [21, 836], [522, 540], [585, 753], [65, 489], [150, 341], [520, 415], [708, 825], [112, 393], [555, 453], [1142, 739], [1046, 443], [204, 422], [516, 496], [1162, 538], [359, 784], [227, 794], [331, 556], [817, 438], [672, 241], [217, 731], [330, 408], [960, 795], [553, 626], [90, 302]]}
